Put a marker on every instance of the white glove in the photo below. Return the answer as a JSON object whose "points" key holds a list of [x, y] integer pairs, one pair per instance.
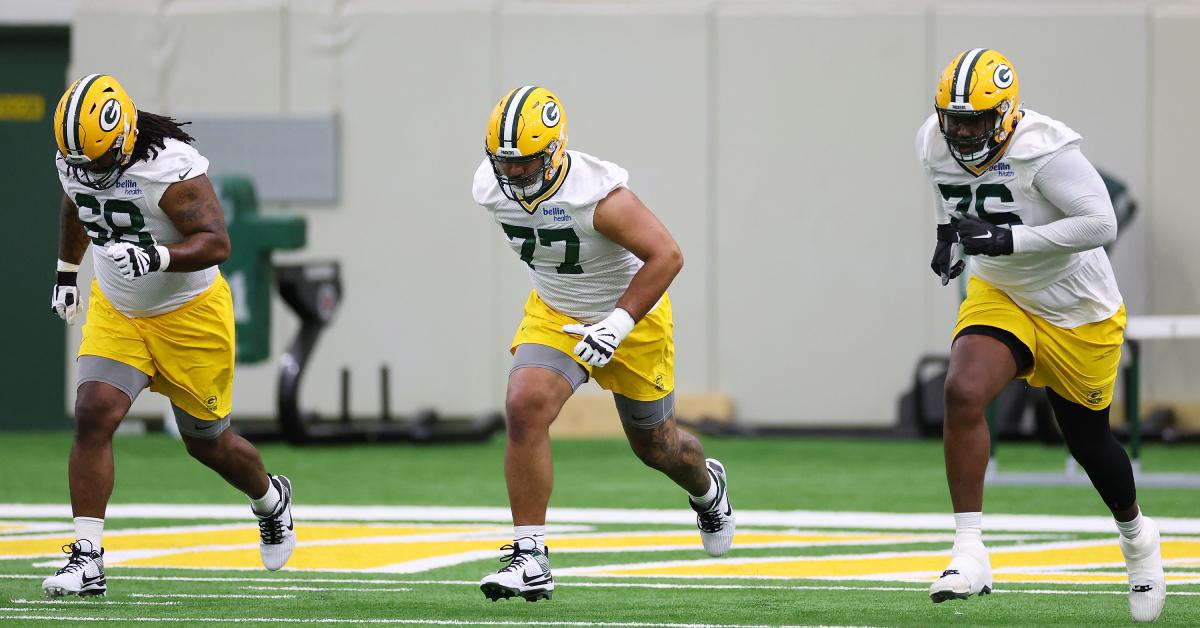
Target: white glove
{"points": [[64, 299], [600, 340], [135, 261]]}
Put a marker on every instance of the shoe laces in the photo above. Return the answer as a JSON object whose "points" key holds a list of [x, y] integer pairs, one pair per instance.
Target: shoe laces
{"points": [[515, 560], [77, 561], [710, 521], [709, 518], [270, 527]]}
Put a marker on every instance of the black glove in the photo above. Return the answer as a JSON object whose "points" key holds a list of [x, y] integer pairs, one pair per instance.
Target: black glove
{"points": [[946, 237], [979, 237]]}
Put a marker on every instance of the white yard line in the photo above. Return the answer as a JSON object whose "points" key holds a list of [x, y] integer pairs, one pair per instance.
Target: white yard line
{"points": [[398, 621], [67, 603], [378, 589], [214, 596], [583, 584], [675, 516]]}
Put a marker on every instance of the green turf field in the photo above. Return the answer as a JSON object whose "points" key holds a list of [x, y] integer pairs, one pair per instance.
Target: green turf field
{"points": [[419, 525]]}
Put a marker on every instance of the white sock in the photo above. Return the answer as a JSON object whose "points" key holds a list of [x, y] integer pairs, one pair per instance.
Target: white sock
{"points": [[968, 526], [709, 495], [528, 534], [89, 529], [1130, 529], [267, 504]]}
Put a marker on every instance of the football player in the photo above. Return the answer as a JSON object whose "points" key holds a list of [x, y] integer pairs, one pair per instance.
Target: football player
{"points": [[600, 262], [1015, 193], [160, 314]]}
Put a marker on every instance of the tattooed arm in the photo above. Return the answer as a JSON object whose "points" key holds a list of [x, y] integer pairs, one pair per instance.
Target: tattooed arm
{"points": [[193, 208]]}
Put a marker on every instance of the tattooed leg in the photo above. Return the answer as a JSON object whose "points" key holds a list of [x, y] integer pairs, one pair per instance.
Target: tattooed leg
{"points": [[674, 452]]}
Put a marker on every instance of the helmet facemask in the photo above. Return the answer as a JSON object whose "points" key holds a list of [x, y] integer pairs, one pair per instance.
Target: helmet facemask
{"points": [[93, 173], [528, 184], [972, 136]]}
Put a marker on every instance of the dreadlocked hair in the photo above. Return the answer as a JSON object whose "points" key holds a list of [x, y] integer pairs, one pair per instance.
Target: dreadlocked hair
{"points": [[152, 133]]}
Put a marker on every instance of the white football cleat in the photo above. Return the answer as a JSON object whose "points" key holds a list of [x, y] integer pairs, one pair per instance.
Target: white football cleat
{"points": [[527, 574], [82, 575], [716, 520], [277, 534], [969, 573], [1143, 561]]}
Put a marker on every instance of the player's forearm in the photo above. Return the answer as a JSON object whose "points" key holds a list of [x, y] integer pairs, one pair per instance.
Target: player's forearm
{"points": [[651, 282], [72, 239], [1072, 234], [198, 251]]}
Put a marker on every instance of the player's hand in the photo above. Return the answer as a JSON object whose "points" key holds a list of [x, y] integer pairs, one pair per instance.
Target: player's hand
{"points": [[135, 261], [600, 340], [979, 237], [64, 300], [943, 254]]}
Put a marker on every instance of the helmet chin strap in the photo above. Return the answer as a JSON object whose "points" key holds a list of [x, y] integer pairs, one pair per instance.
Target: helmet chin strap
{"points": [[526, 192], [531, 191], [979, 156]]}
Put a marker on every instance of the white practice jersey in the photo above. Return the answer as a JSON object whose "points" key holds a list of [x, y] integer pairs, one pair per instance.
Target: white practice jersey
{"points": [[1066, 287], [574, 269], [129, 212]]}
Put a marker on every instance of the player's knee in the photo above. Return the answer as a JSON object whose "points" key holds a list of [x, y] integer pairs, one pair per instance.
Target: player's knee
{"points": [[529, 412], [965, 399], [651, 455], [97, 417], [203, 450]]}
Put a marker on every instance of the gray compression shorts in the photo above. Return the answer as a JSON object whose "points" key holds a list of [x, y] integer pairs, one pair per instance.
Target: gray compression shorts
{"points": [[645, 414], [639, 414], [549, 358], [93, 368], [198, 428]]}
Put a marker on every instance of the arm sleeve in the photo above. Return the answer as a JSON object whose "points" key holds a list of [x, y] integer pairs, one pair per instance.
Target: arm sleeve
{"points": [[939, 208], [1071, 183], [919, 145]]}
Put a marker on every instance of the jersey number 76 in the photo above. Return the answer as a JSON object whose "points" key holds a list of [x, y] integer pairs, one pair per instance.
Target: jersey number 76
{"points": [[981, 194]]}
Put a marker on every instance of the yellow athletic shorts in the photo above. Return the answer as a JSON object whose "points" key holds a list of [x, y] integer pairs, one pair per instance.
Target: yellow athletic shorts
{"points": [[187, 353], [643, 367], [1080, 364]]}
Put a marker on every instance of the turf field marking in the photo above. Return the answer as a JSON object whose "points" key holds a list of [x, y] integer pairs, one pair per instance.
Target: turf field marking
{"points": [[679, 516], [771, 587], [372, 589], [26, 527], [619, 581], [412, 548], [405, 621], [209, 596], [1047, 561], [89, 602]]}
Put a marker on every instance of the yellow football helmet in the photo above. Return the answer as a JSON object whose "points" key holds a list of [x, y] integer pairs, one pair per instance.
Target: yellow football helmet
{"points": [[978, 107], [527, 142], [95, 125]]}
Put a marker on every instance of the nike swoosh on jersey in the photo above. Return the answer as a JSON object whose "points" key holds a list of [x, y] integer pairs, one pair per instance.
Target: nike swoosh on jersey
{"points": [[185, 173]]}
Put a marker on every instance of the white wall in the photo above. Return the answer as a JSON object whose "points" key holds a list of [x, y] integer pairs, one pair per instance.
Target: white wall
{"points": [[1173, 218], [773, 138], [815, 325]]}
